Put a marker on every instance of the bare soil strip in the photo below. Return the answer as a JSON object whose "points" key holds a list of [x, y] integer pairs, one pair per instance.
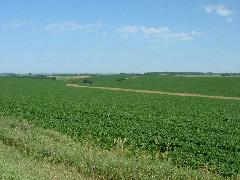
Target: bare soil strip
{"points": [[157, 92]]}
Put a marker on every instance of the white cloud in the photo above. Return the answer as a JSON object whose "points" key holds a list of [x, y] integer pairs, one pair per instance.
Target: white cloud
{"points": [[60, 26], [157, 33], [221, 10], [72, 26], [128, 29]]}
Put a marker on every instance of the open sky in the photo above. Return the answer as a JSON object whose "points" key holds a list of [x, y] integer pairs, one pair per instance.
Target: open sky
{"points": [[110, 36]]}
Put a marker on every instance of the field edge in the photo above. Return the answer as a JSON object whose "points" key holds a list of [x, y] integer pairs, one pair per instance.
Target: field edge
{"points": [[23, 145]]}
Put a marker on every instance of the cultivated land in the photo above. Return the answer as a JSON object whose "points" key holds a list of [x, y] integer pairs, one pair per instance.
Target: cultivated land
{"points": [[97, 133], [156, 92], [29, 152], [217, 86]]}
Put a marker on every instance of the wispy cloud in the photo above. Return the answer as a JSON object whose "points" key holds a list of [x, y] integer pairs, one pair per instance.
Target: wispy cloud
{"points": [[157, 33], [220, 10], [72, 26], [52, 26], [13, 24]]}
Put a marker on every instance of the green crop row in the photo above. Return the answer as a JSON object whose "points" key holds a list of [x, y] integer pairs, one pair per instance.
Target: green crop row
{"points": [[192, 132], [221, 86]]}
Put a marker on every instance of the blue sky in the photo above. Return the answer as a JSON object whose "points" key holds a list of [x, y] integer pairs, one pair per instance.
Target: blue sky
{"points": [[108, 36]]}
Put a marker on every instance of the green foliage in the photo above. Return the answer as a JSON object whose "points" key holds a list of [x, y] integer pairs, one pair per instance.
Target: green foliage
{"points": [[192, 132], [36, 153], [121, 79], [87, 81], [222, 86]]}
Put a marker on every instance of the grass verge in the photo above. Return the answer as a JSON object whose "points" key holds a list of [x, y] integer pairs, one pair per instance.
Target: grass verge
{"points": [[16, 165], [30, 152]]}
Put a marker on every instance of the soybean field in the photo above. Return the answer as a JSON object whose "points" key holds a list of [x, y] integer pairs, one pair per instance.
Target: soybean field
{"points": [[191, 132]]}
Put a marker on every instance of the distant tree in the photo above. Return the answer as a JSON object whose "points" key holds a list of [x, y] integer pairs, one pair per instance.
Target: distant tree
{"points": [[121, 79], [86, 81], [73, 81], [53, 78]]}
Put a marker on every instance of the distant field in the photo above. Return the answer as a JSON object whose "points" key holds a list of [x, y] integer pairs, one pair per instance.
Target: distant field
{"points": [[221, 86], [191, 132]]}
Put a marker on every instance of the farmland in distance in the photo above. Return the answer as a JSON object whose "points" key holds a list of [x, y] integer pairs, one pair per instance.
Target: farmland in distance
{"points": [[208, 85]]}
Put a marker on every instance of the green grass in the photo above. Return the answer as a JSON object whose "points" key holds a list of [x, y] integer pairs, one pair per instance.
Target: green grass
{"points": [[16, 165], [190, 132], [222, 86], [30, 152]]}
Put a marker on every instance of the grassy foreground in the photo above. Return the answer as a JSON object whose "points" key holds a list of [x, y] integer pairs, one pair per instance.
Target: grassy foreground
{"points": [[30, 152]]}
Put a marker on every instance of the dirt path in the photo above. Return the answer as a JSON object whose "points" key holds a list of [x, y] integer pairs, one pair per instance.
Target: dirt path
{"points": [[157, 92]]}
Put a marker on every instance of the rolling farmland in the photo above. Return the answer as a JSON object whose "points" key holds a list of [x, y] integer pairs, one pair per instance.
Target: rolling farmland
{"points": [[119, 90], [218, 86], [191, 132]]}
